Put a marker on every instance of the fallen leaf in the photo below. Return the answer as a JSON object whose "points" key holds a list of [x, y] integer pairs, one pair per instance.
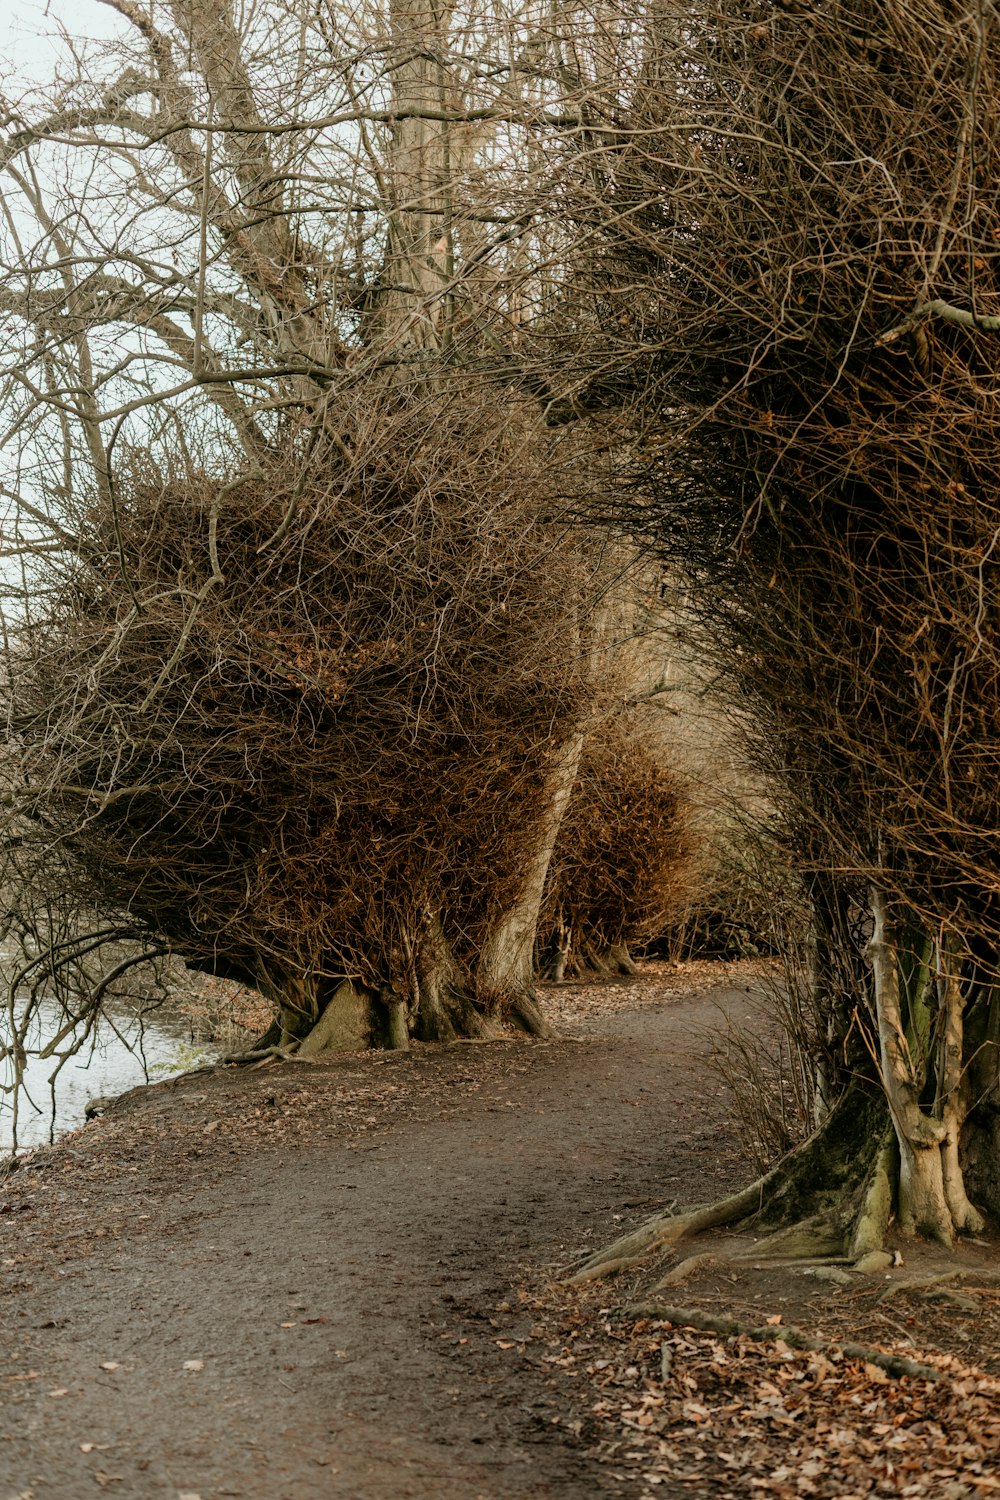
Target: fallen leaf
{"points": [[111, 1364], [505, 1343], [773, 1320]]}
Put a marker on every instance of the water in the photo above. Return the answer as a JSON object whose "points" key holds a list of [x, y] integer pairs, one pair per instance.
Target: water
{"points": [[105, 1066]]}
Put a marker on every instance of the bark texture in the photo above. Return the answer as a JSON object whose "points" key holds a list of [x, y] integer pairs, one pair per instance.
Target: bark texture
{"points": [[506, 970], [932, 1197]]}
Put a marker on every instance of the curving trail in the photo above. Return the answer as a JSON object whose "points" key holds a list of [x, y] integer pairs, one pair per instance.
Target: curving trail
{"points": [[338, 1248]]}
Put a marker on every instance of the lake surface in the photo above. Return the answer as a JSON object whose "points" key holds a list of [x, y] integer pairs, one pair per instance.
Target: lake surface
{"points": [[106, 1065]]}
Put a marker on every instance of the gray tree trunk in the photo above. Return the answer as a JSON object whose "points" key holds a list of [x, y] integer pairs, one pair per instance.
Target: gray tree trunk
{"points": [[932, 1198], [506, 967]]}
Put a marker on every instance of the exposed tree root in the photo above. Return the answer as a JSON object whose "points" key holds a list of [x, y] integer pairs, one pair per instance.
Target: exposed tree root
{"points": [[816, 1238], [897, 1365], [921, 1285], [608, 1267], [814, 1190], [661, 1233], [685, 1270], [259, 1054]]}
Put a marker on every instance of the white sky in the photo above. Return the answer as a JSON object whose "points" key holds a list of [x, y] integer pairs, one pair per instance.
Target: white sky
{"points": [[26, 53]]}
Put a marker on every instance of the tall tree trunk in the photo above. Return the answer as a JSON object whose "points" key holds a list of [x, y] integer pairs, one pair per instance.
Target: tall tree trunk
{"points": [[414, 310], [506, 966]]}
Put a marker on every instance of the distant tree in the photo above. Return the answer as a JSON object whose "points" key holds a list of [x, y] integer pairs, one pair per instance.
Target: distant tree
{"points": [[622, 864]]}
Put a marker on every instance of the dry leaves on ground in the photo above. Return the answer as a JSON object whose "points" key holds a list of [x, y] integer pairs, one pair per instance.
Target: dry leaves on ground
{"points": [[710, 1416], [571, 1005]]}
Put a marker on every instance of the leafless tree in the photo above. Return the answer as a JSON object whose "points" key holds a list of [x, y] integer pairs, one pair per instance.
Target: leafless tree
{"points": [[622, 867], [318, 764], [798, 286], [300, 652]]}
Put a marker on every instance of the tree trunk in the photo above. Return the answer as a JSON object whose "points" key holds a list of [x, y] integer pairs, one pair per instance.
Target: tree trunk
{"points": [[619, 960], [555, 965], [980, 1136], [414, 309], [442, 1009], [932, 1199], [345, 1024], [297, 999], [317, 1016], [878, 1150], [952, 1102], [506, 971]]}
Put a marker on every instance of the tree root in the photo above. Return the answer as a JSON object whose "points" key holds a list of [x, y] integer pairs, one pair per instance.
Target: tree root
{"points": [[662, 1232], [257, 1055], [921, 1284], [812, 1189], [607, 1268], [818, 1238], [684, 1270], [897, 1365]]}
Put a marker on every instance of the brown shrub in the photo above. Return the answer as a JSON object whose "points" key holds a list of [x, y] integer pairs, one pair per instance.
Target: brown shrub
{"points": [[622, 865], [295, 722]]}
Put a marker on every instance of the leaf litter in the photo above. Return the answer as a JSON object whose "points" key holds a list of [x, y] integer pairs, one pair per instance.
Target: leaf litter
{"points": [[671, 1410]]}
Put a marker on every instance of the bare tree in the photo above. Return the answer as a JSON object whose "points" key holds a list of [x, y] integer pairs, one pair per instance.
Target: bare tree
{"points": [[799, 274], [323, 771], [276, 539]]}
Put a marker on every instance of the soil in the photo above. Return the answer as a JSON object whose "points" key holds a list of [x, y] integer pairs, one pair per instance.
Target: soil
{"points": [[339, 1279]]}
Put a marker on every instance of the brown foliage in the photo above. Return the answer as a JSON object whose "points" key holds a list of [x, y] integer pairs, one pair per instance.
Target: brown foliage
{"points": [[830, 486], [291, 721], [623, 859], [802, 275]]}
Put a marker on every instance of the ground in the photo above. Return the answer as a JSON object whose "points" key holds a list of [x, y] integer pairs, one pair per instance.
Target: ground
{"points": [[347, 1279]]}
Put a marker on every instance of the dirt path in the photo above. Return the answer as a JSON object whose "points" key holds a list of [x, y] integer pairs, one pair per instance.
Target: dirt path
{"points": [[337, 1249]]}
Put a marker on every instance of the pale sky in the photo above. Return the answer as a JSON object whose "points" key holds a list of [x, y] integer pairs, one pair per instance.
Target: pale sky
{"points": [[26, 53]]}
